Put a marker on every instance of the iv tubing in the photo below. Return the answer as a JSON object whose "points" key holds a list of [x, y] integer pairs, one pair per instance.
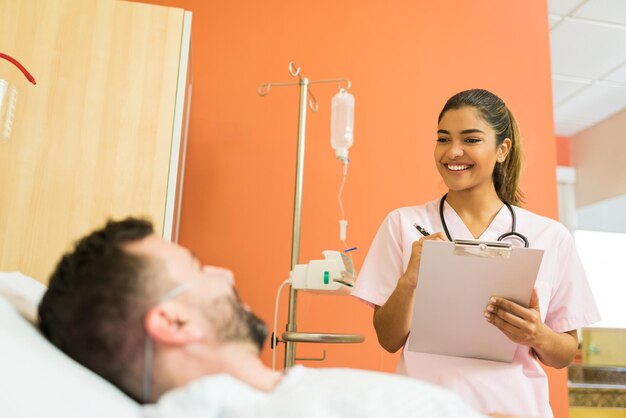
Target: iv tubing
{"points": [[343, 182], [347, 250], [274, 337]]}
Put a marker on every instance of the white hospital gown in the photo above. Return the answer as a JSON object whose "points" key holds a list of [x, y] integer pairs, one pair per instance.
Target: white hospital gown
{"points": [[312, 393], [565, 299]]}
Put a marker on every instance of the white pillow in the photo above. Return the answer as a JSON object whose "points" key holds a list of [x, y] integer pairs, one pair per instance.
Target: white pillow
{"points": [[36, 378], [23, 292]]}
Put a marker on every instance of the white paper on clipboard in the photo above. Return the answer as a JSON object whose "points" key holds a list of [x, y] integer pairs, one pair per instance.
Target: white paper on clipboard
{"points": [[455, 282]]}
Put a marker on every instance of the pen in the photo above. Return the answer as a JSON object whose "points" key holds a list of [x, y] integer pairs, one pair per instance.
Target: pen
{"points": [[422, 230]]}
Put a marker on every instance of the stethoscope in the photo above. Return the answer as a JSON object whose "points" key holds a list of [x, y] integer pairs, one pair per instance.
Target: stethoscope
{"points": [[515, 238]]}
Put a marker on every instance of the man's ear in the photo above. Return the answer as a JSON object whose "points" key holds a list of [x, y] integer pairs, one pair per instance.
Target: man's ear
{"points": [[171, 323]]}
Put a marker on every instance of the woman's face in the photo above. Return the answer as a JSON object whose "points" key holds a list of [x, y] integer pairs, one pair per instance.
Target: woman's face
{"points": [[466, 150]]}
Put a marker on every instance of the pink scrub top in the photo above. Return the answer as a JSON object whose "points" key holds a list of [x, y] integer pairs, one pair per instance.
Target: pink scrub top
{"points": [[565, 300]]}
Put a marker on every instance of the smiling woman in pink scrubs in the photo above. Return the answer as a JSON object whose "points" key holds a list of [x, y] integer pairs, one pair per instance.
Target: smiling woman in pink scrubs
{"points": [[478, 155]]}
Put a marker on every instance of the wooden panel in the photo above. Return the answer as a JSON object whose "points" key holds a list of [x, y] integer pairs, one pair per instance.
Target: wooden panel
{"points": [[580, 412], [92, 139]]}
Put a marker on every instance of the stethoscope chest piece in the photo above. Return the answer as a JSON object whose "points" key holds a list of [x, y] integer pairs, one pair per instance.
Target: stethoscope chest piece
{"points": [[515, 238]]}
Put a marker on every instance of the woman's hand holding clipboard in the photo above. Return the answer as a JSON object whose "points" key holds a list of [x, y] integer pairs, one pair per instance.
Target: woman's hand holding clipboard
{"points": [[521, 325]]}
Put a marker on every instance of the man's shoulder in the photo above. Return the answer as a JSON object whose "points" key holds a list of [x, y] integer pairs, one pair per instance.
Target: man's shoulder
{"points": [[209, 396]]}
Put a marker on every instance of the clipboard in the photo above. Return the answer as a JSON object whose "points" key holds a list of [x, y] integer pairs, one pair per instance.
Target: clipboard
{"points": [[455, 282]]}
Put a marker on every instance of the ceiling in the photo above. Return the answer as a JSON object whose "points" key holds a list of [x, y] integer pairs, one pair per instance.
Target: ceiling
{"points": [[588, 49]]}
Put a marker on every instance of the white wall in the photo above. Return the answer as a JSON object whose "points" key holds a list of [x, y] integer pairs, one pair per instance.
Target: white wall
{"points": [[599, 155], [608, 216], [566, 180], [602, 255]]}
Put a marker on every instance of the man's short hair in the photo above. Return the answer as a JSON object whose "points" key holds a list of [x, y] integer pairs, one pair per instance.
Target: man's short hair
{"points": [[96, 301]]}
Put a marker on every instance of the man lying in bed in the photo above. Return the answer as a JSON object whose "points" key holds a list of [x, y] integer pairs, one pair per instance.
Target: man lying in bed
{"points": [[144, 314]]}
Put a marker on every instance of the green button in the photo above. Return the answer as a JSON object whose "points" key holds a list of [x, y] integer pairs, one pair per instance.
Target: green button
{"points": [[326, 277]]}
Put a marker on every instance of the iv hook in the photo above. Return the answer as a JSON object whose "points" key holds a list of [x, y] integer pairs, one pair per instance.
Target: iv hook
{"points": [[344, 88], [264, 89], [313, 105], [294, 70]]}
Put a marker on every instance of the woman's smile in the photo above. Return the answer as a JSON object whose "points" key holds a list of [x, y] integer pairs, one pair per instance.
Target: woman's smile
{"points": [[458, 168]]}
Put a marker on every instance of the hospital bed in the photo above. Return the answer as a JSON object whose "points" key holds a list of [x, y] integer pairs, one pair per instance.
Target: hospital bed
{"points": [[36, 378]]}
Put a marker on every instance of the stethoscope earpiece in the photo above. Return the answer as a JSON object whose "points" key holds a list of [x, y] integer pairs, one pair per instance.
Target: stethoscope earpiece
{"points": [[515, 238]]}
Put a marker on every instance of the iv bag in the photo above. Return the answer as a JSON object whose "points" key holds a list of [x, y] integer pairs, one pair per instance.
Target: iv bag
{"points": [[342, 123]]}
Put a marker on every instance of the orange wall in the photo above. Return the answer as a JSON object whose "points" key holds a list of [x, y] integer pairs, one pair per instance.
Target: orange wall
{"points": [[405, 58], [564, 151]]}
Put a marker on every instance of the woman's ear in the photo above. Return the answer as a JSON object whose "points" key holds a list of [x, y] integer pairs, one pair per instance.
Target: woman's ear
{"points": [[171, 323], [503, 150]]}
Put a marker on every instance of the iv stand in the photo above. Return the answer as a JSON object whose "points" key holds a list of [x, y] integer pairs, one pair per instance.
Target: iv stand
{"points": [[291, 336]]}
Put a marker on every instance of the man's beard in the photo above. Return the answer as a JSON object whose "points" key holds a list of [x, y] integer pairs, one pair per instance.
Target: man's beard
{"points": [[233, 323]]}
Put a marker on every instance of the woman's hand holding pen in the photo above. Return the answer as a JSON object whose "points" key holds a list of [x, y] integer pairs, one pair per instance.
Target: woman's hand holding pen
{"points": [[412, 269], [392, 320]]}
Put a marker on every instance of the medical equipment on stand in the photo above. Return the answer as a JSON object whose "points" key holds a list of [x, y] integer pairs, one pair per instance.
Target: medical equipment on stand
{"points": [[334, 274], [323, 275], [318, 275]]}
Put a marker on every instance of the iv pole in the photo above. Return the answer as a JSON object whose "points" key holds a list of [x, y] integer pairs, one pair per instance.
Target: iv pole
{"points": [[291, 336]]}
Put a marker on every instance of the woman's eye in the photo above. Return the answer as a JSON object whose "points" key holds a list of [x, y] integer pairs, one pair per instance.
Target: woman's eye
{"points": [[442, 139], [472, 140]]}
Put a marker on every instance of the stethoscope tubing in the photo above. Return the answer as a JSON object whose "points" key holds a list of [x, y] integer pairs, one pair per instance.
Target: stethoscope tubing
{"points": [[513, 233]]}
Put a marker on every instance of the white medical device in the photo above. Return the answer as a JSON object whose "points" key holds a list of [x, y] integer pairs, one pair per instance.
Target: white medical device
{"points": [[332, 274]]}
